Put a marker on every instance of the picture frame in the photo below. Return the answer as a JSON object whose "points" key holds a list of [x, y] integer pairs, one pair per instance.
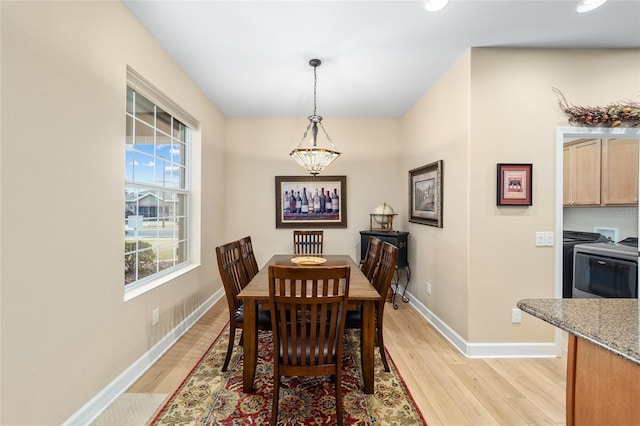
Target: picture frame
{"points": [[515, 184], [311, 215], [425, 194]]}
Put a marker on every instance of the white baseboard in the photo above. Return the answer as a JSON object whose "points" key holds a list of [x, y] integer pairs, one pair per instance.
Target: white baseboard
{"points": [[484, 350], [102, 400]]}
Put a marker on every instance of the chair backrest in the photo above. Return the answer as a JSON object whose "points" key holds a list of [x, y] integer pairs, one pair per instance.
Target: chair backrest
{"points": [[248, 257], [384, 272], [371, 257], [308, 314], [233, 274], [308, 242]]}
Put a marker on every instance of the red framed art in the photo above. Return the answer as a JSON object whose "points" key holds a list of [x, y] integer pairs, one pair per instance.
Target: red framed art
{"points": [[515, 184]]}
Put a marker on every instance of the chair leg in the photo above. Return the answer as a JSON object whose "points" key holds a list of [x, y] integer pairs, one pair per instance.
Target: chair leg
{"points": [[383, 354], [276, 398], [338, 378], [232, 341]]}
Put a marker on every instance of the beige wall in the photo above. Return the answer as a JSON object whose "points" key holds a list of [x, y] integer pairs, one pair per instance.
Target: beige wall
{"points": [[66, 330], [257, 151], [625, 219], [437, 128], [504, 102]]}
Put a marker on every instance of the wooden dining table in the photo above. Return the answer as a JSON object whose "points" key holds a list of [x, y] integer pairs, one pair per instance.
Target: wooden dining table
{"points": [[361, 293]]}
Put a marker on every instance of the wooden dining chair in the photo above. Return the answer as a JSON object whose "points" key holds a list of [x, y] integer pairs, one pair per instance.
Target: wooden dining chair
{"points": [[308, 242], [248, 257], [308, 314], [234, 278], [370, 261], [382, 282]]}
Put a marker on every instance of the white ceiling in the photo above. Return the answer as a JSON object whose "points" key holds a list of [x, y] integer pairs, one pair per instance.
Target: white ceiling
{"points": [[378, 57]]}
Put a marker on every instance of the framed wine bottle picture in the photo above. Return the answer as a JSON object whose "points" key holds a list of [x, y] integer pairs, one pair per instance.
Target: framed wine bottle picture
{"points": [[308, 202]]}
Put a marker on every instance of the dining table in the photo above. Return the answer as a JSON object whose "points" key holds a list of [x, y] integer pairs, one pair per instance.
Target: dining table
{"points": [[361, 294]]}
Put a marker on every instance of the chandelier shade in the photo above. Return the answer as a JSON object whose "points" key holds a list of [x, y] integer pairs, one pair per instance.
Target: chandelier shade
{"points": [[313, 158]]}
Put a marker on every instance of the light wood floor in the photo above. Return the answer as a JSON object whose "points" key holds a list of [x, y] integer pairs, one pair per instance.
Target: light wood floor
{"points": [[448, 388]]}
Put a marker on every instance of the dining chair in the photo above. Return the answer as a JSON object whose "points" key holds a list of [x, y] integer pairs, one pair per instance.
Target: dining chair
{"points": [[308, 242], [234, 279], [382, 282], [308, 316], [248, 257], [370, 261]]}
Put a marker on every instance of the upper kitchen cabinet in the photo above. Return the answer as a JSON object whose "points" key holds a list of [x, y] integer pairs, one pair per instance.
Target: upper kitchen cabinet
{"points": [[581, 173], [619, 172], [600, 172]]}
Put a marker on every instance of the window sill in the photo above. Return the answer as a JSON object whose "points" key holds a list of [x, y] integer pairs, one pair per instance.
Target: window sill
{"points": [[144, 288]]}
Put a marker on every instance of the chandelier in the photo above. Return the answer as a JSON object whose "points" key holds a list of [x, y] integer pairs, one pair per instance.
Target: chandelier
{"points": [[313, 158]]}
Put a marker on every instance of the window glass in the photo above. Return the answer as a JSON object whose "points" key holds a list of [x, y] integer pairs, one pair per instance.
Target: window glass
{"points": [[156, 191], [144, 109]]}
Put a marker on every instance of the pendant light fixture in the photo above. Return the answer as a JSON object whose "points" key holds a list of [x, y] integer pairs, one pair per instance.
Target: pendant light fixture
{"points": [[314, 158]]}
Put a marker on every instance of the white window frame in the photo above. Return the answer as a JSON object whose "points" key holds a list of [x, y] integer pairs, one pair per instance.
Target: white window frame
{"points": [[141, 86]]}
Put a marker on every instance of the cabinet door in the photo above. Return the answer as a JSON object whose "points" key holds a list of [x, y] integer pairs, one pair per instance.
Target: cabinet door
{"points": [[583, 173], [568, 193], [620, 172]]}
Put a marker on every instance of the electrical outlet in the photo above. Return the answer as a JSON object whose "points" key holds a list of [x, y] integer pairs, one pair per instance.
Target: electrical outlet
{"points": [[428, 288], [516, 316], [548, 238], [155, 316], [539, 238]]}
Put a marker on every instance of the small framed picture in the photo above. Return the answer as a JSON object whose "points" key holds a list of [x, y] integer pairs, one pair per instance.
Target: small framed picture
{"points": [[515, 184], [425, 194]]}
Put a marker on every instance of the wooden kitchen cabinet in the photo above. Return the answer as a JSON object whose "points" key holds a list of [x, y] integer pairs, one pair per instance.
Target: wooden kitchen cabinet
{"points": [[619, 172], [581, 173], [603, 359], [602, 387]]}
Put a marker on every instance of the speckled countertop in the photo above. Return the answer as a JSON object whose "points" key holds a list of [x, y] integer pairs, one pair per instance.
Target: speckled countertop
{"points": [[612, 324]]}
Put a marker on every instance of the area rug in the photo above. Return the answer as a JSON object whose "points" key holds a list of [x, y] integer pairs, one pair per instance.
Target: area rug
{"points": [[209, 397]]}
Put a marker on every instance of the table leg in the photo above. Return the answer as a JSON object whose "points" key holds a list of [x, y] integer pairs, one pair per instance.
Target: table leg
{"points": [[250, 337], [367, 343]]}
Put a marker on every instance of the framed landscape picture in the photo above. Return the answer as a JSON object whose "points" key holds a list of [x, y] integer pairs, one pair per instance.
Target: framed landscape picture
{"points": [[514, 184], [425, 194], [308, 202]]}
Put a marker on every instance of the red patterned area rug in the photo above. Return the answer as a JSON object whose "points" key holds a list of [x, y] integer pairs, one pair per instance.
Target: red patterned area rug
{"points": [[209, 397]]}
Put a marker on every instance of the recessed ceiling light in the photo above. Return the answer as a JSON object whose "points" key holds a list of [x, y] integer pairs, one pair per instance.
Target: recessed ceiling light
{"points": [[435, 5], [589, 5]]}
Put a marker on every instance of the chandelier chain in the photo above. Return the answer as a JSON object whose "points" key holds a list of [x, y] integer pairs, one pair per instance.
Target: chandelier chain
{"points": [[315, 84], [304, 136], [326, 134]]}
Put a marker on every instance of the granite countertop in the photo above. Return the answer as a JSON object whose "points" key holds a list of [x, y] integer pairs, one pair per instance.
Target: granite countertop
{"points": [[612, 324]]}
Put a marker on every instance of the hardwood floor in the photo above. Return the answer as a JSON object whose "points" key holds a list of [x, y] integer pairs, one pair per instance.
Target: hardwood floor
{"points": [[449, 388]]}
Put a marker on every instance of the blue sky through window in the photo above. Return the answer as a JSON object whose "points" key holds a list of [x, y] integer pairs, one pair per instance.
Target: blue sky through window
{"points": [[154, 164]]}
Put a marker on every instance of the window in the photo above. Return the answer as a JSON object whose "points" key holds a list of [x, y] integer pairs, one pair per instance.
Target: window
{"points": [[156, 191]]}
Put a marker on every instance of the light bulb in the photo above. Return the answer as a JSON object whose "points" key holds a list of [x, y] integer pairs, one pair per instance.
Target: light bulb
{"points": [[589, 5], [435, 5]]}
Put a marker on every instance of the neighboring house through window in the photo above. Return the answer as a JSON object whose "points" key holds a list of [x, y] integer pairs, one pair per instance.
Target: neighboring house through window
{"points": [[156, 215]]}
